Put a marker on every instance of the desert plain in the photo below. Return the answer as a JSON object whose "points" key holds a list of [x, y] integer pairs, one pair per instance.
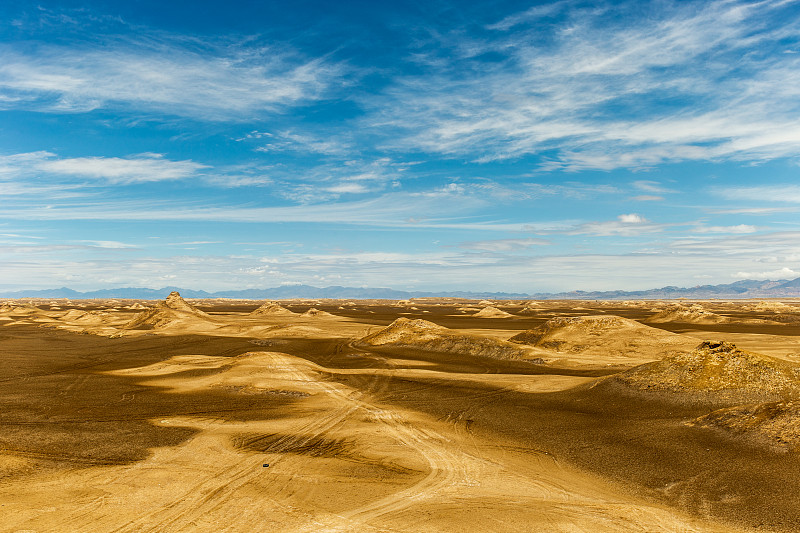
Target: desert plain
{"points": [[416, 415]]}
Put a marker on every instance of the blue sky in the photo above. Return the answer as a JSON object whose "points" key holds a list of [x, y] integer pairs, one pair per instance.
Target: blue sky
{"points": [[503, 145]]}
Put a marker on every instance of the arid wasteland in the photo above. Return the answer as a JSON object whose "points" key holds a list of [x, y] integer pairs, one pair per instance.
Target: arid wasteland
{"points": [[420, 415], [491, 266]]}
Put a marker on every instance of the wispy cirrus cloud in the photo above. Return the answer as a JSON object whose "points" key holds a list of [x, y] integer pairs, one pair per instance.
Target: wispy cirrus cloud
{"points": [[164, 74], [602, 89], [113, 170], [290, 141], [626, 225], [786, 193], [781, 273], [504, 245], [118, 170], [737, 229]]}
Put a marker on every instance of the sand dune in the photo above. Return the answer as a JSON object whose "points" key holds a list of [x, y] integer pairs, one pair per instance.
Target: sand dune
{"points": [[424, 335], [610, 335], [716, 371]]}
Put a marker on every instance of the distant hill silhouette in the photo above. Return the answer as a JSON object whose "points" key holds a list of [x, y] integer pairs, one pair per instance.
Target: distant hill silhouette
{"points": [[740, 289]]}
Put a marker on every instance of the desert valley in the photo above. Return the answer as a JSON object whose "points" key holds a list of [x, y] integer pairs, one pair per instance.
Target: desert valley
{"points": [[417, 415]]}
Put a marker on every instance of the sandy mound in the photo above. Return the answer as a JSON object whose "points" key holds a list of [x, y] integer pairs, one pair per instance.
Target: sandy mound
{"points": [[771, 307], [137, 307], [11, 309], [272, 309], [607, 334], [171, 312], [492, 312], [774, 423], [424, 335], [316, 313], [694, 314], [93, 317], [72, 314], [718, 371]]}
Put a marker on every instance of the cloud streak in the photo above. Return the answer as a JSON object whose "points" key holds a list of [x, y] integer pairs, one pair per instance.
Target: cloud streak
{"points": [[164, 75], [695, 82]]}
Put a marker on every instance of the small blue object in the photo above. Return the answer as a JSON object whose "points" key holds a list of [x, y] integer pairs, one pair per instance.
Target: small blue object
{"points": [[266, 465]]}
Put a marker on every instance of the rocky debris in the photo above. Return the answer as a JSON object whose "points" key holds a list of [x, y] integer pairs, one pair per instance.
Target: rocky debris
{"points": [[316, 313], [716, 371]]}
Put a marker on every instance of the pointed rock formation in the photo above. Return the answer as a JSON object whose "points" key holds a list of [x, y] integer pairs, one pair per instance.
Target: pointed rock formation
{"points": [[171, 311]]}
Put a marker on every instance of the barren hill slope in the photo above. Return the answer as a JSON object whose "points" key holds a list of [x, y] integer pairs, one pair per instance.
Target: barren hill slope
{"points": [[715, 371], [773, 423], [173, 311], [492, 312], [611, 335], [272, 309], [694, 314], [424, 335]]}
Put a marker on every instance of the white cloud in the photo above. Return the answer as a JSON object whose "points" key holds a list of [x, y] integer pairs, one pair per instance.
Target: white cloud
{"points": [[783, 273], [647, 198], [111, 245], [626, 225], [762, 193], [526, 17], [739, 228], [651, 186], [632, 218], [504, 245], [348, 188], [782, 243], [284, 141], [149, 167], [606, 89], [160, 74], [21, 169]]}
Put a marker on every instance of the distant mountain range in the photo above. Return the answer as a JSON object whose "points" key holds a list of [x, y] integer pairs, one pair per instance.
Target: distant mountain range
{"points": [[740, 289]]}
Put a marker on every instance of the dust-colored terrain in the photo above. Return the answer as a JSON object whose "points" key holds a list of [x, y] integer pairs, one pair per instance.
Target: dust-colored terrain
{"points": [[420, 415]]}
